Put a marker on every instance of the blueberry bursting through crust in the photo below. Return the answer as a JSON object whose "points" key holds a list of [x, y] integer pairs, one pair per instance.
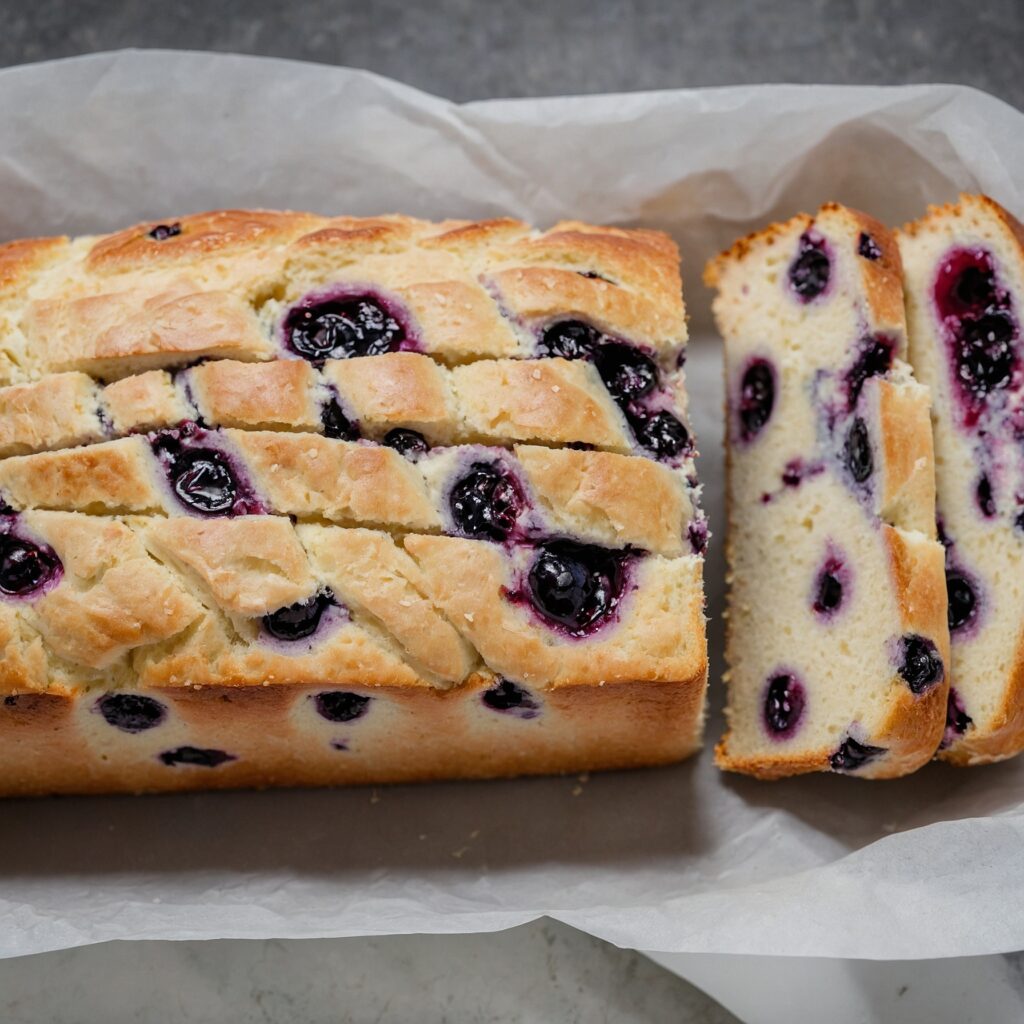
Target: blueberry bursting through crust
{"points": [[576, 587]]}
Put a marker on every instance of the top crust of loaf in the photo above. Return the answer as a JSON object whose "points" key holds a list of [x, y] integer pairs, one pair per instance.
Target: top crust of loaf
{"points": [[881, 279]]}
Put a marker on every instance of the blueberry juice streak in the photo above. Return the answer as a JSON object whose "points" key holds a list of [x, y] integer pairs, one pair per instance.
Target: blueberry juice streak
{"points": [[28, 568], [633, 379], [203, 477], [346, 322], [980, 329]]}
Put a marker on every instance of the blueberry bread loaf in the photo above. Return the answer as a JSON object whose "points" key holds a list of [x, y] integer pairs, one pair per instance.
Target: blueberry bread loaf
{"points": [[964, 267], [290, 500], [837, 646]]}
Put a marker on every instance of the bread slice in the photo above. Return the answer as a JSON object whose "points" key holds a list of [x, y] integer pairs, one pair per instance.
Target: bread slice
{"points": [[837, 646], [964, 268], [296, 500]]}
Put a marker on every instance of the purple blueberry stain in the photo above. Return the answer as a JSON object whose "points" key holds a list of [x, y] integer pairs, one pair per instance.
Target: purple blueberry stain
{"points": [[345, 323], [576, 587], [409, 443], [162, 232], [810, 271], [698, 534], [874, 358], [300, 620], [868, 247], [857, 455], [569, 339], [784, 702], [979, 327], [852, 754], [831, 585], [984, 497], [27, 567], [957, 719], [919, 663], [756, 398], [662, 434], [131, 712], [486, 501], [198, 757], [627, 373], [203, 477], [336, 424], [341, 705], [963, 606], [511, 699]]}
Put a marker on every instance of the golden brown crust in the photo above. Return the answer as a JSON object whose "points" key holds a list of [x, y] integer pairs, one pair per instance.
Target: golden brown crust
{"points": [[276, 394], [623, 500], [114, 476], [552, 400], [50, 744], [105, 334], [143, 402], [217, 233], [58, 411], [658, 631], [908, 468]]}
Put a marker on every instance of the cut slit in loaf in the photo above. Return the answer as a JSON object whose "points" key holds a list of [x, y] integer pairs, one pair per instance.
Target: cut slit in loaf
{"points": [[426, 612], [837, 645]]}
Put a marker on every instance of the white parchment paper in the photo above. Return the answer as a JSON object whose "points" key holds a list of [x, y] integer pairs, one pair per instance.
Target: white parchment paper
{"points": [[682, 859]]}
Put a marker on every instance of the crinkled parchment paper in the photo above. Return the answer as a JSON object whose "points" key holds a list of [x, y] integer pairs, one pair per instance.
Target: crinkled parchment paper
{"points": [[681, 859]]}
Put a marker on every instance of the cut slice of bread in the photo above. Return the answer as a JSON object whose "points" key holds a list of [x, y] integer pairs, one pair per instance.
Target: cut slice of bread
{"points": [[837, 646], [964, 269]]}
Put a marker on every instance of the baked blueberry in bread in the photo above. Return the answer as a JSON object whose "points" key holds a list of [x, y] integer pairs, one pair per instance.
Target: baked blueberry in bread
{"points": [[291, 500], [964, 267], [837, 645]]}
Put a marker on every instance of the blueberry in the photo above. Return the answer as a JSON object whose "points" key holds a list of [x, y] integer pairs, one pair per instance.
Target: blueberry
{"points": [[757, 398], [662, 434], [24, 566], [920, 664], [963, 602], [873, 360], [203, 479], [575, 585], [975, 288], [164, 231], [485, 502], [299, 620], [336, 423], [570, 339], [868, 247], [828, 589], [810, 271], [409, 443], [985, 358], [984, 497], [698, 534], [627, 373], [198, 756], [857, 452], [342, 329], [852, 755], [783, 705], [341, 706], [506, 696], [957, 719], [131, 712]]}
